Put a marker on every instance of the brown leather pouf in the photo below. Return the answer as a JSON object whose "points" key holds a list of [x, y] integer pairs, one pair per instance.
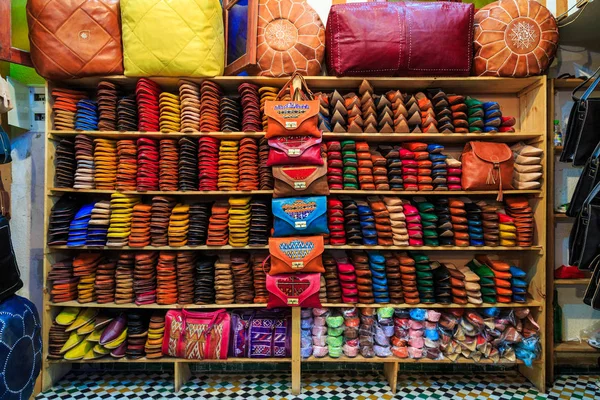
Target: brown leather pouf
{"points": [[514, 38], [291, 37]]}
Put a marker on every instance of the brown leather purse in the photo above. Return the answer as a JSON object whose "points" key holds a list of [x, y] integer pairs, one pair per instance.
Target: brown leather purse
{"points": [[487, 166], [296, 254], [74, 39], [295, 113], [296, 180]]}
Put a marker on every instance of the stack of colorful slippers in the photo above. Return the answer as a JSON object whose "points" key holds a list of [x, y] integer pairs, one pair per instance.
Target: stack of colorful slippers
{"points": [[380, 178], [210, 101], [383, 224], [156, 333], [522, 213], [179, 224], [124, 278], [454, 176], [335, 219], [394, 206], [409, 169], [332, 280], [188, 164], [208, 163], [518, 284], [439, 168], [189, 98], [168, 168], [429, 221], [64, 284], [489, 216], [381, 292], [367, 105], [137, 332], [85, 267], [99, 223], [218, 224], [385, 115], [64, 172], [121, 208], [105, 163], [260, 222], [127, 166], [338, 112], [458, 217], [347, 280], [367, 223], [251, 121], [266, 93], [414, 113], [441, 107], [140, 225], [144, 277], [199, 214], [224, 290], [86, 118], [354, 120], [324, 116], [170, 112], [486, 281], [457, 284], [441, 283], [352, 224], [475, 114], [107, 95], [159, 222], [364, 278], [424, 277], [147, 94], [64, 108], [239, 221], [230, 112], [444, 223], [508, 230], [413, 225], [204, 281], [459, 113], [399, 111], [228, 171], [148, 164], [127, 114], [166, 278], [61, 215], [475, 223], [84, 155], [104, 284], [335, 166], [365, 166], [248, 165], [265, 173], [259, 276], [242, 278], [393, 166], [507, 124], [502, 277], [79, 226], [409, 279], [350, 162], [394, 278], [428, 122]]}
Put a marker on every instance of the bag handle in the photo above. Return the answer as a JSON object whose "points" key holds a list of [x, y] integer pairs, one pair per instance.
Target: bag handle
{"points": [[590, 89], [298, 88], [591, 196], [264, 262]]}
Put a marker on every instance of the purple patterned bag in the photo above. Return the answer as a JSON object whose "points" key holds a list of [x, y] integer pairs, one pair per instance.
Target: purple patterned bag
{"points": [[270, 334], [240, 322]]}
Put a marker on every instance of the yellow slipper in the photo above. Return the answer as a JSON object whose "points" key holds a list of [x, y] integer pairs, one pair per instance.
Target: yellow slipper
{"points": [[73, 340], [67, 316], [79, 351], [118, 341], [83, 318]]}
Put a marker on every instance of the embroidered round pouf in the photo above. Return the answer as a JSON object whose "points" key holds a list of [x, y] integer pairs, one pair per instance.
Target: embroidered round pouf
{"points": [[20, 348]]}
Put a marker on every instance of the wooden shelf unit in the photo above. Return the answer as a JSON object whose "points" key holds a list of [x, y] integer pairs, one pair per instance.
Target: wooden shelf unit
{"points": [[574, 347], [525, 99]]}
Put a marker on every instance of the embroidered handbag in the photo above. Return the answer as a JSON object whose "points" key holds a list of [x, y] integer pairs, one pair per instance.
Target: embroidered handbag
{"points": [[240, 322], [309, 180], [294, 290], [295, 150], [295, 117], [270, 334], [197, 335], [299, 216], [296, 254], [487, 166]]}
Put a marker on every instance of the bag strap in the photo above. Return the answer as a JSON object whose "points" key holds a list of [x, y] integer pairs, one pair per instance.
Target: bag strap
{"points": [[590, 89], [297, 87], [217, 317], [264, 262], [591, 196]]}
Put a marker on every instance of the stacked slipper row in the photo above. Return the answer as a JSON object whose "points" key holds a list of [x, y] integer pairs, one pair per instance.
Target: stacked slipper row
{"points": [[206, 108], [492, 334], [353, 277]]}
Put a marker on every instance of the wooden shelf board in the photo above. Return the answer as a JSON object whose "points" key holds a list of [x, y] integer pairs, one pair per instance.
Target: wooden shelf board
{"points": [[108, 359], [558, 149], [562, 217], [128, 306], [574, 347], [570, 83], [463, 85], [328, 247], [270, 192], [568, 282], [371, 137], [240, 359], [361, 359]]}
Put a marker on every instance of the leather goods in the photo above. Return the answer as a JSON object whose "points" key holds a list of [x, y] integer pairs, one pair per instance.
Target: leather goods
{"points": [[282, 55], [197, 26], [583, 242], [197, 335], [349, 37], [295, 150], [487, 166], [587, 180], [11, 281], [514, 39], [293, 181], [260, 334], [294, 290], [299, 216], [75, 40], [296, 254], [582, 135]]}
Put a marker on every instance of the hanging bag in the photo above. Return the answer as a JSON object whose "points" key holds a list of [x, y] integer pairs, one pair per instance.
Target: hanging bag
{"points": [[9, 270], [294, 290], [296, 254], [299, 216], [583, 128], [307, 180], [587, 180], [487, 166], [585, 234], [298, 116], [197, 335]]}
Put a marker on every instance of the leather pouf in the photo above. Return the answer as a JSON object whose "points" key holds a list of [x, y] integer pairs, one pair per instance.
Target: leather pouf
{"points": [[514, 38], [20, 348], [291, 37], [74, 39]]}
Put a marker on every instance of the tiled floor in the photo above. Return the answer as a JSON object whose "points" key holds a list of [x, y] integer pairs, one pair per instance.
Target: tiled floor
{"points": [[83, 386]]}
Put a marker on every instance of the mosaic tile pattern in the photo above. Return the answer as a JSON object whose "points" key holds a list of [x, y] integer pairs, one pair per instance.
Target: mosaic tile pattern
{"points": [[100, 386]]}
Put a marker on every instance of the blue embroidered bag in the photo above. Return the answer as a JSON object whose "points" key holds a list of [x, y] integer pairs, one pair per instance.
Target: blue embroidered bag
{"points": [[300, 216]]}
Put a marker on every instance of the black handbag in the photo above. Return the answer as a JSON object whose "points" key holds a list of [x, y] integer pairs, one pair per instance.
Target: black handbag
{"points": [[592, 292], [587, 180], [583, 128], [585, 234], [4, 147], [9, 270]]}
